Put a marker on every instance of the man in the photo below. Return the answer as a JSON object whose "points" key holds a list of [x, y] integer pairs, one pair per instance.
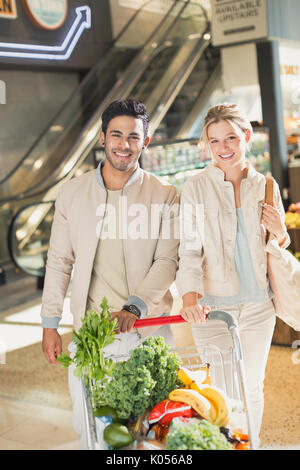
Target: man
{"points": [[115, 228]]}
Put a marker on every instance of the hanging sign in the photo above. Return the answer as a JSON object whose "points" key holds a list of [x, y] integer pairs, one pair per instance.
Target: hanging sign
{"points": [[8, 9], [47, 14], [235, 21]]}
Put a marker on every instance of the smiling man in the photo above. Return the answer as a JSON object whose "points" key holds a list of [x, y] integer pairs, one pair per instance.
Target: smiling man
{"points": [[124, 139], [134, 273]]}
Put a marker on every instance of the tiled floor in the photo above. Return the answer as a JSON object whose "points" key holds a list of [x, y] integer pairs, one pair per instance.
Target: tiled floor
{"points": [[25, 425], [34, 427]]}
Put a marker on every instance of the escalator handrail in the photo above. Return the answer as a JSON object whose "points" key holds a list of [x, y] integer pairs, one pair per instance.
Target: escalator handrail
{"points": [[29, 193], [75, 92], [156, 116]]}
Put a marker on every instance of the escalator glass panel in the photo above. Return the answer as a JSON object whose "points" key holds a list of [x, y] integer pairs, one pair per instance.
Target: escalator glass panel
{"points": [[29, 237]]}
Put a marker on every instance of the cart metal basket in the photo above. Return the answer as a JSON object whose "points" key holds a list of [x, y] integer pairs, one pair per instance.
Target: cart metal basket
{"points": [[226, 371]]}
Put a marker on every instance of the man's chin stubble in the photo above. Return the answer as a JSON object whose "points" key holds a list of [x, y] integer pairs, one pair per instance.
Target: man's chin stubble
{"points": [[126, 166]]}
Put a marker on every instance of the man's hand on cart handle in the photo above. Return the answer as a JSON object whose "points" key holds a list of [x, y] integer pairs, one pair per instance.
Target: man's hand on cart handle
{"points": [[52, 345], [126, 321]]}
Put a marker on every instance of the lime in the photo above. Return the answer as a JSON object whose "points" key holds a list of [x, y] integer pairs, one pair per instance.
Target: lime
{"points": [[107, 411], [116, 435]]}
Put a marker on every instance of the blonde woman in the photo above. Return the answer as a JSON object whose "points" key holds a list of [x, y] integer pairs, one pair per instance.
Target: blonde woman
{"points": [[224, 267]]}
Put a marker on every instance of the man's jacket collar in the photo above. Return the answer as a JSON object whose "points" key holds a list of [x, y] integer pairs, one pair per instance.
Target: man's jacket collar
{"points": [[133, 178]]}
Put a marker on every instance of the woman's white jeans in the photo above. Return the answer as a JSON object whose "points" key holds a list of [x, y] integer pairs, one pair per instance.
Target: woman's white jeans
{"points": [[256, 323]]}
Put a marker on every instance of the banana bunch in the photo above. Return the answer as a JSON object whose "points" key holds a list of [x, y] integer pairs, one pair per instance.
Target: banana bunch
{"points": [[198, 402], [208, 401]]}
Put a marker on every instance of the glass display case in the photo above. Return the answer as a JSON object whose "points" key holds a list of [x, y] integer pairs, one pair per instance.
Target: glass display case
{"points": [[174, 161], [259, 152]]}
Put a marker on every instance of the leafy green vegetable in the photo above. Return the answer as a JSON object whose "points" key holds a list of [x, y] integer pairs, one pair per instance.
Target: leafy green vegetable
{"points": [[200, 435], [97, 331], [145, 379]]}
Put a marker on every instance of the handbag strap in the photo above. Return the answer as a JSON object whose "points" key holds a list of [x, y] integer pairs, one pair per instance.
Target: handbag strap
{"points": [[269, 191]]}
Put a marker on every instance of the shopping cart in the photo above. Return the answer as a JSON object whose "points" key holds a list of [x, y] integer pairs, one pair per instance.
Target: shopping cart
{"points": [[226, 371]]}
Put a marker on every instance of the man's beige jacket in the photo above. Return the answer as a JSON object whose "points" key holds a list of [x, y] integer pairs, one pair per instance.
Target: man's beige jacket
{"points": [[151, 261]]}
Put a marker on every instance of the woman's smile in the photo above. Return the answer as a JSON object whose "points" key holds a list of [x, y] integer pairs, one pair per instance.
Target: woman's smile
{"points": [[226, 156]]}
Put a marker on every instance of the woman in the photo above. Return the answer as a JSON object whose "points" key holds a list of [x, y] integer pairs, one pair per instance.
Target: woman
{"points": [[224, 265]]}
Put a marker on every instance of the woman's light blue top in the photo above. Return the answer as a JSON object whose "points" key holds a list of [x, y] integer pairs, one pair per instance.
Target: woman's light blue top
{"points": [[249, 290]]}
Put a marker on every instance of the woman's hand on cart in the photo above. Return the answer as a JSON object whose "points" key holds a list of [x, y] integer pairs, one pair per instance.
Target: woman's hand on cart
{"points": [[191, 311], [195, 313]]}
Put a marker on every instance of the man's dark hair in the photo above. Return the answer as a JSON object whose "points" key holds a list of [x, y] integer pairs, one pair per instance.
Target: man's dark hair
{"points": [[128, 107]]}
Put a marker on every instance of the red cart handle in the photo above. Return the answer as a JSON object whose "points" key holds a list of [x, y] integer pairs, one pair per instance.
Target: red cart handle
{"points": [[226, 317], [156, 321]]}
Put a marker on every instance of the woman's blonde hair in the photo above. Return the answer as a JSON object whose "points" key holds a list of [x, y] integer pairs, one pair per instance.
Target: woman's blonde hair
{"points": [[230, 112]]}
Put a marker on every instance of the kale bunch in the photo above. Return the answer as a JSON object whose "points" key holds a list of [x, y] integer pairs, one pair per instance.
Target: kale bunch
{"points": [[146, 378]]}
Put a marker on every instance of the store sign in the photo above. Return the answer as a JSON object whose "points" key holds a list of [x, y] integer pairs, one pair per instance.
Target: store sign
{"points": [[81, 22], [289, 59], [47, 14], [238, 21], [8, 9], [288, 69]]}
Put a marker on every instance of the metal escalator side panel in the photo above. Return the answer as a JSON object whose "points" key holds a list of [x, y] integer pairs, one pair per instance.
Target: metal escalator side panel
{"points": [[200, 103], [189, 55]]}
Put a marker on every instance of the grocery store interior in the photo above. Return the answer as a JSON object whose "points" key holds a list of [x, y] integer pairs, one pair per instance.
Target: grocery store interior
{"points": [[59, 69]]}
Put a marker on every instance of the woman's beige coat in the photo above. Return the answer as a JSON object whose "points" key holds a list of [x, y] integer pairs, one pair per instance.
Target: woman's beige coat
{"points": [[206, 263]]}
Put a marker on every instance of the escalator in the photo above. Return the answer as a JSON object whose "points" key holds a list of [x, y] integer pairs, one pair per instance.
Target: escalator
{"points": [[191, 99], [56, 155], [156, 75], [64, 146]]}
